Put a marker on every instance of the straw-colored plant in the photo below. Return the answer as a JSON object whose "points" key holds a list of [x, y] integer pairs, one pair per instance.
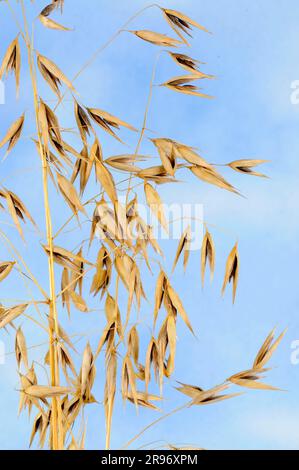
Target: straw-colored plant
{"points": [[125, 245]]}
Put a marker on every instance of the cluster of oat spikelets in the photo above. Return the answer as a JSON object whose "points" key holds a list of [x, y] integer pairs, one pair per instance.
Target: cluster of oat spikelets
{"points": [[60, 403]]}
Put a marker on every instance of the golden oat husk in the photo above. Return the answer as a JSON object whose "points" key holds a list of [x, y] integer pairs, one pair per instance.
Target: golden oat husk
{"points": [[78, 275], [5, 269], [184, 245], [177, 304], [65, 258], [65, 289], [144, 399], [87, 373], [13, 134], [251, 379], [40, 426], [211, 176], [78, 301], [12, 62], [158, 174], [52, 74], [83, 122], [181, 23], [161, 288], [128, 381], [189, 154], [166, 149], [17, 209], [102, 276], [70, 194], [109, 394], [245, 166], [207, 255], [232, 271], [189, 64], [49, 125], [183, 84], [133, 344], [125, 162], [15, 213], [153, 358], [51, 24], [10, 314], [49, 9], [156, 38], [21, 349], [171, 338], [155, 204], [66, 361], [108, 122], [267, 349], [83, 166], [113, 313], [43, 391], [106, 179]]}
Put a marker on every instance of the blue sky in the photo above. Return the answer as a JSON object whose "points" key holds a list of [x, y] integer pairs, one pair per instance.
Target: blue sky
{"points": [[254, 54]]}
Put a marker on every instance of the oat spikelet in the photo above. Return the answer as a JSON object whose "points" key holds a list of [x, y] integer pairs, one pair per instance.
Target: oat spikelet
{"points": [[189, 64], [125, 162], [251, 379], [109, 394], [106, 180], [66, 289], [52, 74], [181, 23], [5, 269], [78, 301], [156, 38], [70, 194], [268, 348], [10, 314], [177, 304], [183, 84], [21, 349], [133, 344], [12, 62], [108, 122], [211, 176], [245, 166], [43, 391], [82, 121], [232, 271], [155, 204], [161, 289], [87, 375], [48, 22], [184, 246], [153, 358], [17, 209], [13, 134], [65, 258], [207, 254], [167, 152]]}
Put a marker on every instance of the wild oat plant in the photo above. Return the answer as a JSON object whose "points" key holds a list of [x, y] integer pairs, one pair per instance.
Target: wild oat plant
{"points": [[125, 246]]}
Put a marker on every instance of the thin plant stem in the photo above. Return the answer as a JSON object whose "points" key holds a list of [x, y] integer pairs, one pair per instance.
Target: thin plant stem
{"points": [[108, 428], [153, 423], [20, 258], [56, 418], [149, 99], [104, 46]]}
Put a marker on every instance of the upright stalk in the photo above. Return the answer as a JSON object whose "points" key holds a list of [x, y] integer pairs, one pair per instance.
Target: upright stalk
{"points": [[56, 440]]}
